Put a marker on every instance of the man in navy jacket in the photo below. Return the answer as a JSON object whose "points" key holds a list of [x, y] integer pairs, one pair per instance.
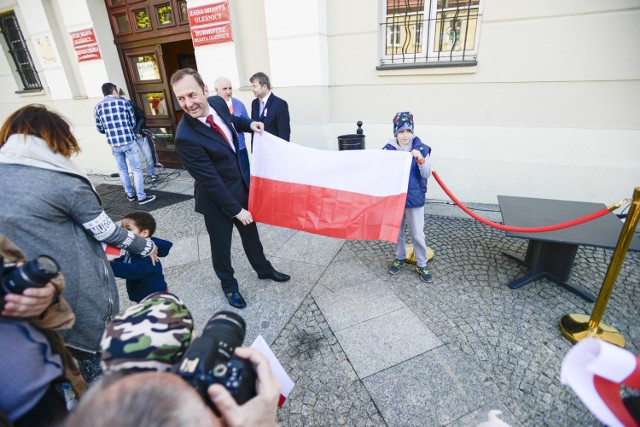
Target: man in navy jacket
{"points": [[207, 143], [268, 108]]}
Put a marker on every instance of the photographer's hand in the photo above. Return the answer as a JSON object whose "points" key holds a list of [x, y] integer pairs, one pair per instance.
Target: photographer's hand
{"points": [[260, 410], [31, 303]]}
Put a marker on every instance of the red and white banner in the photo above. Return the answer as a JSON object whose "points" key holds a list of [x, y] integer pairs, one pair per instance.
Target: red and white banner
{"points": [[353, 194], [286, 384], [595, 370]]}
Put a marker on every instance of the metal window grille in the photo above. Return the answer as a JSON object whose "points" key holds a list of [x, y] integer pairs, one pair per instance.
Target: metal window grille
{"points": [[19, 52], [430, 31]]}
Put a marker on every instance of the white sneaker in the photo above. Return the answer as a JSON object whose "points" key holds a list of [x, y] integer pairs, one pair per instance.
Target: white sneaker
{"points": [[146, 200]]}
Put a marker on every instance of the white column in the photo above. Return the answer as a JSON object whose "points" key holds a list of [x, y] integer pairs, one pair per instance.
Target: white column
{"points": [[297, 38], [215, 60], [47, 54], [77, 16]]}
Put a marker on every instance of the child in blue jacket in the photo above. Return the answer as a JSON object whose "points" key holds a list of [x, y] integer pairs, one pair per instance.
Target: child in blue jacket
{"points": [[405, 140], [143, 278]]}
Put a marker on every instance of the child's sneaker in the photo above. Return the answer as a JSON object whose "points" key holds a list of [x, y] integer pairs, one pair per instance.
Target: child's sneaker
{"points": [[424, 274], [131, 198], [396, 266]]}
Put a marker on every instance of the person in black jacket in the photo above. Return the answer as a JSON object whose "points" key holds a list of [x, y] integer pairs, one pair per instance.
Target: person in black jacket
{"points": [[268, 108], [207, 143], [142, 276]]}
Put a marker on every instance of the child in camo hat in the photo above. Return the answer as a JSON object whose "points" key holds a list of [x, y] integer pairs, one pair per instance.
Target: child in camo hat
{"points": [[149, 336], [405, 140]]}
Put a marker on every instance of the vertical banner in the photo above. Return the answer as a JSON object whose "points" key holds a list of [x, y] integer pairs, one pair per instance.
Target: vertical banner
{"points": [[86, 45], [210, 24]]}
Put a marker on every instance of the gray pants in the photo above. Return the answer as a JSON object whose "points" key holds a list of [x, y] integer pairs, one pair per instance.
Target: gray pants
{"points": [[414, 217]]}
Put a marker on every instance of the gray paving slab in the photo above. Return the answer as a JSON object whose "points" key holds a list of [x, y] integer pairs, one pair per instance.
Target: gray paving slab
{"points": [[270, 304], [311, 248], [385, 341], [183, 251], [346, 273], [406, 366], [435, 388], [356, 304]]}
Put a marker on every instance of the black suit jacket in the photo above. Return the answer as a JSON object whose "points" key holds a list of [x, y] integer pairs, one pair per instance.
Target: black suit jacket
{"points": [[220, 186], [275, 116]]}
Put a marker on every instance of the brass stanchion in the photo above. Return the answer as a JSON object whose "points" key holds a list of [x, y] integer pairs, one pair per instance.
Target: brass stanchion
{"points": [[576, 327]]}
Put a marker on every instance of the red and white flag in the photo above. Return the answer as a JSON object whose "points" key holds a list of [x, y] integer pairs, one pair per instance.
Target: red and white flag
{"points": [[286, 384], [354, 194], [595, 370], [110, 250]]}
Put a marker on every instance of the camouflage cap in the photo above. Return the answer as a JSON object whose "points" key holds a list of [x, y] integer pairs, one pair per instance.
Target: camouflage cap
{"points": [[151, 335]]}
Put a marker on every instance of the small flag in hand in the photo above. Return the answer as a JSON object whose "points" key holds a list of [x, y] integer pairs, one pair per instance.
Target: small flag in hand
{"points": [[286, 385], [110, 250]]}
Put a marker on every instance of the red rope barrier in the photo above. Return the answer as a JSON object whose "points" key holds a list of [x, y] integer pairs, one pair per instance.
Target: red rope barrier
{"points": [[574, 222]]}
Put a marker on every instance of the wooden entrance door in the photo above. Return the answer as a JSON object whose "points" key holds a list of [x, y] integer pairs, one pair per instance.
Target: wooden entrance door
{"points": [[149, 88]]}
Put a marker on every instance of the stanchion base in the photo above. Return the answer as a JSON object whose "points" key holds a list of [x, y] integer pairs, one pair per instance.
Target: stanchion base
{"points": [[575, 327], [411, 255]]}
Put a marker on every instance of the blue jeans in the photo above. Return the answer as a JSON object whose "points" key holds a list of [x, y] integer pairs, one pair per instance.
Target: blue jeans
{"points": [[130, 152], [148, 157]]}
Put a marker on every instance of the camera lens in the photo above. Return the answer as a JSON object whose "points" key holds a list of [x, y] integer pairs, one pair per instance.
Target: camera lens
{"points": [[40, 270], [34, 274], [228, 327]]}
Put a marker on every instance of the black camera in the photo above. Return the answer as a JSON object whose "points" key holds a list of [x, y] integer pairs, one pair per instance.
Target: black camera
{"points": [[210, 360], [33, 274]]}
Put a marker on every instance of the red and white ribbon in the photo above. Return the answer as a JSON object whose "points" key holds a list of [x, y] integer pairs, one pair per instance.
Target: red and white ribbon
{"points": [[595, 370]]}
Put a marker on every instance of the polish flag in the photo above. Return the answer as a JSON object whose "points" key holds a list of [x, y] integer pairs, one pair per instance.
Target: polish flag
{"points": [[110, 250], [595, 370], [354, 194], [286, 384]]}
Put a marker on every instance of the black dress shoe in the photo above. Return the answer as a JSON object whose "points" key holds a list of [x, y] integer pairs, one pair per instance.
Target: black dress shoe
{"points": [[275, 275], [236, 300]]}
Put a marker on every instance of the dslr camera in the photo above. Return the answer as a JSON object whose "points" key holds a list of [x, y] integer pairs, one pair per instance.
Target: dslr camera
{"points": [[210, 360], [33, 274]]}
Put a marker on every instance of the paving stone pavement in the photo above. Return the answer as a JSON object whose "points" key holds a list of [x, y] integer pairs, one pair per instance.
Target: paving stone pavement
{"points": [[367, 348]]}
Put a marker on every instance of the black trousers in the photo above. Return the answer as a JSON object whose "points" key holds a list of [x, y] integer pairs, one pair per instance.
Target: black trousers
{"points": [[220, 229]]}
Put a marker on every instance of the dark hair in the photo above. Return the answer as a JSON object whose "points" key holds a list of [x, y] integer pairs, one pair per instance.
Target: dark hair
{"points": [[262, 79], [143, 220], [180, 74], [37, 120], [108, 88]]}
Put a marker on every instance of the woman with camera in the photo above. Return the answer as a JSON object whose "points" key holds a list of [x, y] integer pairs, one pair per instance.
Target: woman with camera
{"points": [[39, 381], [49, 206]]}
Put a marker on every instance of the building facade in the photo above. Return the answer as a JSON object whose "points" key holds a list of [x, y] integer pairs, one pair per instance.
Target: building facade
{"points": [[534, 99]]}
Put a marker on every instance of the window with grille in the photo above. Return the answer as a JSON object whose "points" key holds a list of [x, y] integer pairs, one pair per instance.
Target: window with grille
{"points": [[17, 48], [429, 32]]}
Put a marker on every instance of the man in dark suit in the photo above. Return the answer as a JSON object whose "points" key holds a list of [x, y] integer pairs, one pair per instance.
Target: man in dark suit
{"points": [[268, 108], [207, 143]]}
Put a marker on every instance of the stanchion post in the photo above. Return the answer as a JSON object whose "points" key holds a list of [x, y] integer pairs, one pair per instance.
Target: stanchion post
{"points": [[576, 327]]}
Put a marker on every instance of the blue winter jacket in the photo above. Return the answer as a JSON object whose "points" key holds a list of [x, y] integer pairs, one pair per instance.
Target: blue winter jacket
{"points": [[416, 193], [143, 278]]}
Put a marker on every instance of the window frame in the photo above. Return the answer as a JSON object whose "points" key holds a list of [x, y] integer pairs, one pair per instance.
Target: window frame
{"points": [[419, 52], [25, 69]]}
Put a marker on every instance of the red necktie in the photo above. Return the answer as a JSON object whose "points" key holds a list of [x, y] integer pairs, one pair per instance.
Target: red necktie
{"points": [[231, 108], [217, 128]]}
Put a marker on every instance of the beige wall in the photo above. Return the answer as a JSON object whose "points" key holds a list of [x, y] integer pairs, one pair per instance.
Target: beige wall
{"points": [[551, 110]]}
